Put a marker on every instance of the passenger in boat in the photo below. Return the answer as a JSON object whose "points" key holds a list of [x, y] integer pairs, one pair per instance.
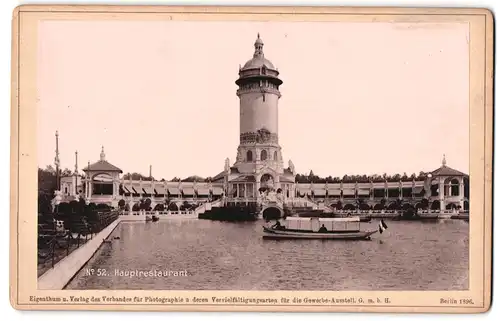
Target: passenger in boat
{"points": [[278, 226], [322, 229]]}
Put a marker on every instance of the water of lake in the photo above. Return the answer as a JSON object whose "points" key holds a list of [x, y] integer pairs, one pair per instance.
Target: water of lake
{"points": [[233, 256]]}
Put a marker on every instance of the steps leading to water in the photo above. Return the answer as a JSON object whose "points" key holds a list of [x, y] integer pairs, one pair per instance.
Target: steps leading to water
{"points": [[230, 214]]}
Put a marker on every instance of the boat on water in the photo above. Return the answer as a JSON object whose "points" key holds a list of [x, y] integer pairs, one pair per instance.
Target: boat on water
{"points": [[362, 218], [345, 228]]}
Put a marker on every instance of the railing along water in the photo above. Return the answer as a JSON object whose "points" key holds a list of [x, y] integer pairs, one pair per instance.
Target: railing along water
{"points": [[60, 234]]}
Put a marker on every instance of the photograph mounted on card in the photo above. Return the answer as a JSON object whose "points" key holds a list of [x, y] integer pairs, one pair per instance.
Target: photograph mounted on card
{"points": [[251, 159]]}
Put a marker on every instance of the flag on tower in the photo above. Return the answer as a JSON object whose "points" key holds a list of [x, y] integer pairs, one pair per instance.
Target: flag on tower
{"points": [[382, 226]]}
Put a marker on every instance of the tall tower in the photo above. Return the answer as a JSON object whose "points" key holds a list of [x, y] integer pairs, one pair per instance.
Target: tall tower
{"points": [[259, 152]]}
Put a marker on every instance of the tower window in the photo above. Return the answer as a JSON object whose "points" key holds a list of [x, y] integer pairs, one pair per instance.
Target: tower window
{"points": [[249, 156], [263, 155], [275, 155]]}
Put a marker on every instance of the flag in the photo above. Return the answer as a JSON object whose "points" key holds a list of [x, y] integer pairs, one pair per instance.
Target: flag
{"points": [[382, 226]]}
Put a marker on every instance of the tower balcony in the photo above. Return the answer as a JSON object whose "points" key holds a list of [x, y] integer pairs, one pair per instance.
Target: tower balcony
{"points": [[258, 89]]}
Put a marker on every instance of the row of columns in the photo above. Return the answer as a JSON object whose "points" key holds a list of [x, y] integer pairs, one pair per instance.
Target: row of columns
{"points": [[246, 190]]}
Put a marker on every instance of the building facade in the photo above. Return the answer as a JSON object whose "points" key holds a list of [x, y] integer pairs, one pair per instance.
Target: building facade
{"points": [[259, 167]]}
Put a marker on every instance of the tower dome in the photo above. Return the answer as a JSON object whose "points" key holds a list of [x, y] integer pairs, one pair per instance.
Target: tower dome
{"points": [[258, 60], [258, 68]]}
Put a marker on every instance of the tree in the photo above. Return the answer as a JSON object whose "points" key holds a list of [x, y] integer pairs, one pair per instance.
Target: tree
{"points": [[159, 207], [47, 181], [193, 178], [173, 207], [66, 172], [121, 204], [145, 204], [137, 176]]}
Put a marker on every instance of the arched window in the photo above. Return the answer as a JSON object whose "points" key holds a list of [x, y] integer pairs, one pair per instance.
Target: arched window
{"points": [[275, 155], [263, 155], [249, 156]]}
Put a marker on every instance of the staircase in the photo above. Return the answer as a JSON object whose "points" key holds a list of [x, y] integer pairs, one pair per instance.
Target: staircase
{"points": [[207, 207], [219, 212], [304, 211], [305, 207]]}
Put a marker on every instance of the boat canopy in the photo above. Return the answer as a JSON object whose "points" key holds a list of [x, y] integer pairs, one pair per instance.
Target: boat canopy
{"points": [[295, 218], [339, 219], [324, 219], [314, 224]]}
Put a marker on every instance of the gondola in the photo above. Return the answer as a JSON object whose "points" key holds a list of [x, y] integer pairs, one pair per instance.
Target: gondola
{"points": [[321, 228]]}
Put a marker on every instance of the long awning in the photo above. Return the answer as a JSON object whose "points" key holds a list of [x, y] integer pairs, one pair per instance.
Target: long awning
{"points": [[319, 192], [217, 191], [173, 190], [417, 189], [202, 191], [137, 190], [126, 190], [243, 179], [148, 190], [348, 191], [363, 192], [334, 192], [160, 189], [188, 191]]}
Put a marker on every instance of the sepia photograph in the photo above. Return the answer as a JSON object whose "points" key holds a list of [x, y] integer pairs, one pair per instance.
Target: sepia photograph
{"points": [[226, 154]]}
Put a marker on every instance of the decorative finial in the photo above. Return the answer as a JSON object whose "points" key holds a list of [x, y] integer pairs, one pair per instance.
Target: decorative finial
{"points": [[103, 156], [444, 160], [57, 161], [76, 162]]}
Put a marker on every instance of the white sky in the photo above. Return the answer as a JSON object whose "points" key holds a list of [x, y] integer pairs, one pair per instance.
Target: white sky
{"points": [[357, 98]]}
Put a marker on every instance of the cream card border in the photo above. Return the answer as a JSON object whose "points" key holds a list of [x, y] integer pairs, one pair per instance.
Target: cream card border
{"points": [[24, 161]]}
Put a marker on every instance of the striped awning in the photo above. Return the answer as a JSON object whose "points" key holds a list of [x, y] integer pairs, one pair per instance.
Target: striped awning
{"points": [[217, 191], [148, 190], [348, 191], [160, 189], [418, 189], [363, 192], [126, 190], [319, 192], [334, 192], [202, 191], [173, 190], [188, 191], [136, 190]]}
